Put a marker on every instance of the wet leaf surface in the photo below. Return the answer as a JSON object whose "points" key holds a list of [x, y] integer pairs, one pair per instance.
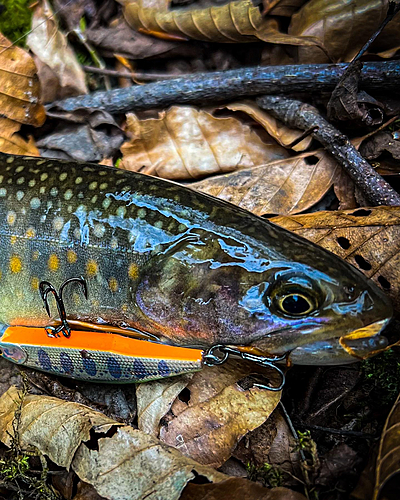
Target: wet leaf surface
{"points": [[367, 238], [184, 143], [12, 143], [19, 83], [59, 63], [282, 187], [344, 27], [217, 411]]}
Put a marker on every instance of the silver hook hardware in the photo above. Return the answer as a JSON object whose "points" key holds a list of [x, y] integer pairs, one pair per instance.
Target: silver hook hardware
{"points": [[219, 353], [45, 287]]}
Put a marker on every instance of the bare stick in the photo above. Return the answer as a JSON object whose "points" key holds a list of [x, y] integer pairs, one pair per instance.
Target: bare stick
{"points": [[304, 116], [227, 85]]}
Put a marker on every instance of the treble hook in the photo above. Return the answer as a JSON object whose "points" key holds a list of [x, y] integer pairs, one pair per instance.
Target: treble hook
{"points": [[211, 358], [45, 287]]}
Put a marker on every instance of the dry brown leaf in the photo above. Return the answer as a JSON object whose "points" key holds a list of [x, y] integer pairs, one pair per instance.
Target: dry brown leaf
{"points": [[52, 49], [238, 21], [344, 27], [12, 143], [276, 129], [218, 413], [184, 143], [282, 187], [388, 461], [19, 84], [154, 399], [368, 238], [282, 7], [128, 464]]}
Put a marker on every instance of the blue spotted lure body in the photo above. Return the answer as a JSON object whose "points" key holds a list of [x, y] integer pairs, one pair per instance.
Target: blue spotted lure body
{"points": [[162, 262]]}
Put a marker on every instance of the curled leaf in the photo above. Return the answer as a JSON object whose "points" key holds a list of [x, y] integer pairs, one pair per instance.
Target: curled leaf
{"points": [[12, 143], [184, 143], [236, 22]]}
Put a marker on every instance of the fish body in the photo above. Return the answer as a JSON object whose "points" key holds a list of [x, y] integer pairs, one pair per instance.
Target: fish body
{"points": [[163, 260]]}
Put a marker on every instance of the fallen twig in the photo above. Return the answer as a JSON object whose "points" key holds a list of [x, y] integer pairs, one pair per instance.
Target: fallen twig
{"points": [[224, 85], [304, 116]]}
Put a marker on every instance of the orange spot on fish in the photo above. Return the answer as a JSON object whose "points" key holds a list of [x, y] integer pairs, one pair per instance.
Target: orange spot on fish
{"points": [[124, 308], [92, 268], [53, 263], [35, 283], [72, 257], [11, 217], [15, 264], [30, 232], [113, 284], [133, 271], [13, 239]]}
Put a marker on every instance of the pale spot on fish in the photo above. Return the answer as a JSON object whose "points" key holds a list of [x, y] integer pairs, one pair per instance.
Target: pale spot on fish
{"points": [[11, 217], [91, 267], [13, 239], [53, 263], [54, 191], [93, 185], [113, 285], [1, 178], [99, 230], [141, 213], [35, 203], [70, 208], [76, 298], [106, 203], [35, 255], [20, 195], [20, 180], [125, 308], [63, 176], [94, 199], [44, 176], [102, 172], [72, 257], [3, 192], [30, 232], [15, 264], [158, 224], [19, 169], [35, 283], [181, 227], [121, 211], [10, 159], [58, 223], [103, 185], [77, 233], [68, 194], [42, 190], [32, 183], [78, 180], [114, 243], [133, 271]]}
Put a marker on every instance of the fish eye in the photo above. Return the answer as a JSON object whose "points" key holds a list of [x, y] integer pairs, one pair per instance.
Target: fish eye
{"points": [[296, 304]]}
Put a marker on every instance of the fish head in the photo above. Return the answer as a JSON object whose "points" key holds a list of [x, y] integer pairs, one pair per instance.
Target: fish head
{"points": [[275, 297]]}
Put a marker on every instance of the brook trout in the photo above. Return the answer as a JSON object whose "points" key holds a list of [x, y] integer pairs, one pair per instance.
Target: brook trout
{"points": [[161, 260]]}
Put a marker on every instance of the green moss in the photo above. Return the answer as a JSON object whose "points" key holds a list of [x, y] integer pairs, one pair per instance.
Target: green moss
{"points": [[268, 474], [383, 375], [15, 19]]}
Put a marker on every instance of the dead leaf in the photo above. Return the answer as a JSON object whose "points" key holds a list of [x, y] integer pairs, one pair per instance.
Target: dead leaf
{"points": [[239, 21], [236, 488], [388, 460], [12, 143], [379, 143], [276, 129], [154, 400], [344, 28], [284, 8], [19, 83], [282, 187], [218, 413], [122, 463], [368, 238], [184, 143], [52, 49]]}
